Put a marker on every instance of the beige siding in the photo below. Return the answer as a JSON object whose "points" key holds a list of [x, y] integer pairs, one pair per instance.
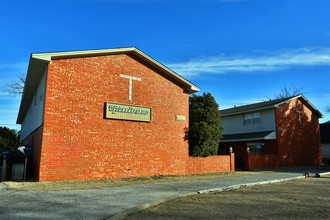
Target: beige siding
{"points": [[235, 124], [35, 115]]}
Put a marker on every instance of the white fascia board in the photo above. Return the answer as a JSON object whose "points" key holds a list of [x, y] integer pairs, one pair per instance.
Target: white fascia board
{"points": [[312, 106], [49, 56], [281, 103], [305, 100], [193, 88], [247, 111]]}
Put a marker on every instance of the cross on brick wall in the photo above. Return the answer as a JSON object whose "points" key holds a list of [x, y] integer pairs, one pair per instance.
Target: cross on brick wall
{"points": [[131, 78]]}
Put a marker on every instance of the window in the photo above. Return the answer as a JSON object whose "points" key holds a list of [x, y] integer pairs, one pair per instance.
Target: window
{"points": [[253, 118], [247, 119], [256, 118], [256, 148]]}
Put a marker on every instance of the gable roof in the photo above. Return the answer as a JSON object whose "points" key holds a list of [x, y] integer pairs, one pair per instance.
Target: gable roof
{"points": [[39, 62], [252, 136], [268, 105]]}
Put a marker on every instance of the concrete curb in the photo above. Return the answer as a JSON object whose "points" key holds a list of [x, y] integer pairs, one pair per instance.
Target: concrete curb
{"points": [[222, 189], [322, 174], [2, 186], [214, 190]]}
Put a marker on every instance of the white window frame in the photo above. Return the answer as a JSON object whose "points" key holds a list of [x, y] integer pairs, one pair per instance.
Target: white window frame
{"points": [[252, 118]]}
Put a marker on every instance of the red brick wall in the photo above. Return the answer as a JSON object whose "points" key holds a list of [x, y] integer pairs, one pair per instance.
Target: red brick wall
{"points": [[299, 142], [79, 143], [253, 162], [256, 161], [211, 164]]}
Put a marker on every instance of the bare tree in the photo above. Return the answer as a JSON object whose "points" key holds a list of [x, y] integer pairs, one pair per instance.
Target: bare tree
{"points": [[17, 85], [287, 92]]}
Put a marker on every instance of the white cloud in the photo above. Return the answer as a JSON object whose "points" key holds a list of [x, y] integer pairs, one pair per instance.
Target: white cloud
{"points": [[21, 65], [231, 103], [283, 59]]}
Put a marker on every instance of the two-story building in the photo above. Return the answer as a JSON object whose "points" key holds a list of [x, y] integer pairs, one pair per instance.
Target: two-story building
{"points": [[282, 132], [108, 113]]}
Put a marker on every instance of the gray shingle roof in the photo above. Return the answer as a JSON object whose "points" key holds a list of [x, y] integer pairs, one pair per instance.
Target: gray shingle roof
{"points": [[263, 135], [267, 105], [252, 107]]}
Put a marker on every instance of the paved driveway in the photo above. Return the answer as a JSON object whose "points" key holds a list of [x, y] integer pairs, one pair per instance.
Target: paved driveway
{"points": [[107, 202]]}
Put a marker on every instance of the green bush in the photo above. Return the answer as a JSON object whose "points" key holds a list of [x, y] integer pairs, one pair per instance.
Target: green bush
{"points": [[205, 128], [9, 139]]}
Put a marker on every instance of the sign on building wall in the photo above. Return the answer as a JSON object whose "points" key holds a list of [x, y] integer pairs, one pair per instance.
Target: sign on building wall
{"points": [[127, 112]]}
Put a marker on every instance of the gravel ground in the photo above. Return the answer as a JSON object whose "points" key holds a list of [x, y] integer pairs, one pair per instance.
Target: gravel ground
{"points": [[296, 199]]}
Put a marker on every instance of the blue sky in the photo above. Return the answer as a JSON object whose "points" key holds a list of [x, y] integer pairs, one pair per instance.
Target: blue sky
{"points": [[238, 50]]}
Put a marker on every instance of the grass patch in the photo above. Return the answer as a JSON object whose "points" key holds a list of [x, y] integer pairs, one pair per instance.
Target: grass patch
{"points": [[101, 183]]}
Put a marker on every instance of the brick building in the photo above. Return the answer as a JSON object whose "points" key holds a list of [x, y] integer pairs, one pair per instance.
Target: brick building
{"points": [[108, 113], [282, 132]]}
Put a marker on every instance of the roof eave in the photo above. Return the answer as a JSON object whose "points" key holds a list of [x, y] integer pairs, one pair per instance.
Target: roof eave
{"points": [[247, 111], [190, 87], [312, 107], [301, 97], [306, 102], [39, 61], [35, 70]]}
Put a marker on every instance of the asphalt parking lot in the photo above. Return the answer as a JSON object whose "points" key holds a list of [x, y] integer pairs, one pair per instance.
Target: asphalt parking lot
{"points": [[118, 202], [307, 198]]}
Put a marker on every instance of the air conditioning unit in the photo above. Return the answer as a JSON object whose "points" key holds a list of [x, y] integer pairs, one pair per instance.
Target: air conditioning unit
{"points": [[17, 171]]}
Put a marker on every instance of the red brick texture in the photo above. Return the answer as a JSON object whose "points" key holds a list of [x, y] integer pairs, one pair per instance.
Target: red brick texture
{"points": [[211, 164], [298, 139], [253, 162], [297, 142], [79, 143]]}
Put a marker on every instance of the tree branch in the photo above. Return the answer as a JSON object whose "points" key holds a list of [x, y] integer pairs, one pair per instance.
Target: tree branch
{"points": [[17, 86]]}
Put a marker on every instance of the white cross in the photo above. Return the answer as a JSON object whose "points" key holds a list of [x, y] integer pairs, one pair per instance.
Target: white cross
{"points": [[131, 78], [300, 112]]}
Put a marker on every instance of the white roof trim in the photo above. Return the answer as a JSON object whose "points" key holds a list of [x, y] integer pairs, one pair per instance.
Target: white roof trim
{"points": [[276, 106], [247, 111], [39, 61], [49, 56], [287, 100]]}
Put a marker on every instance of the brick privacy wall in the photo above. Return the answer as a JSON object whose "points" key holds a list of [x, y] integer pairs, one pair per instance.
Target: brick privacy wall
{"points": [[298, 143], [36, 140], [253, 162], [211, 164], [79, 143]]}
